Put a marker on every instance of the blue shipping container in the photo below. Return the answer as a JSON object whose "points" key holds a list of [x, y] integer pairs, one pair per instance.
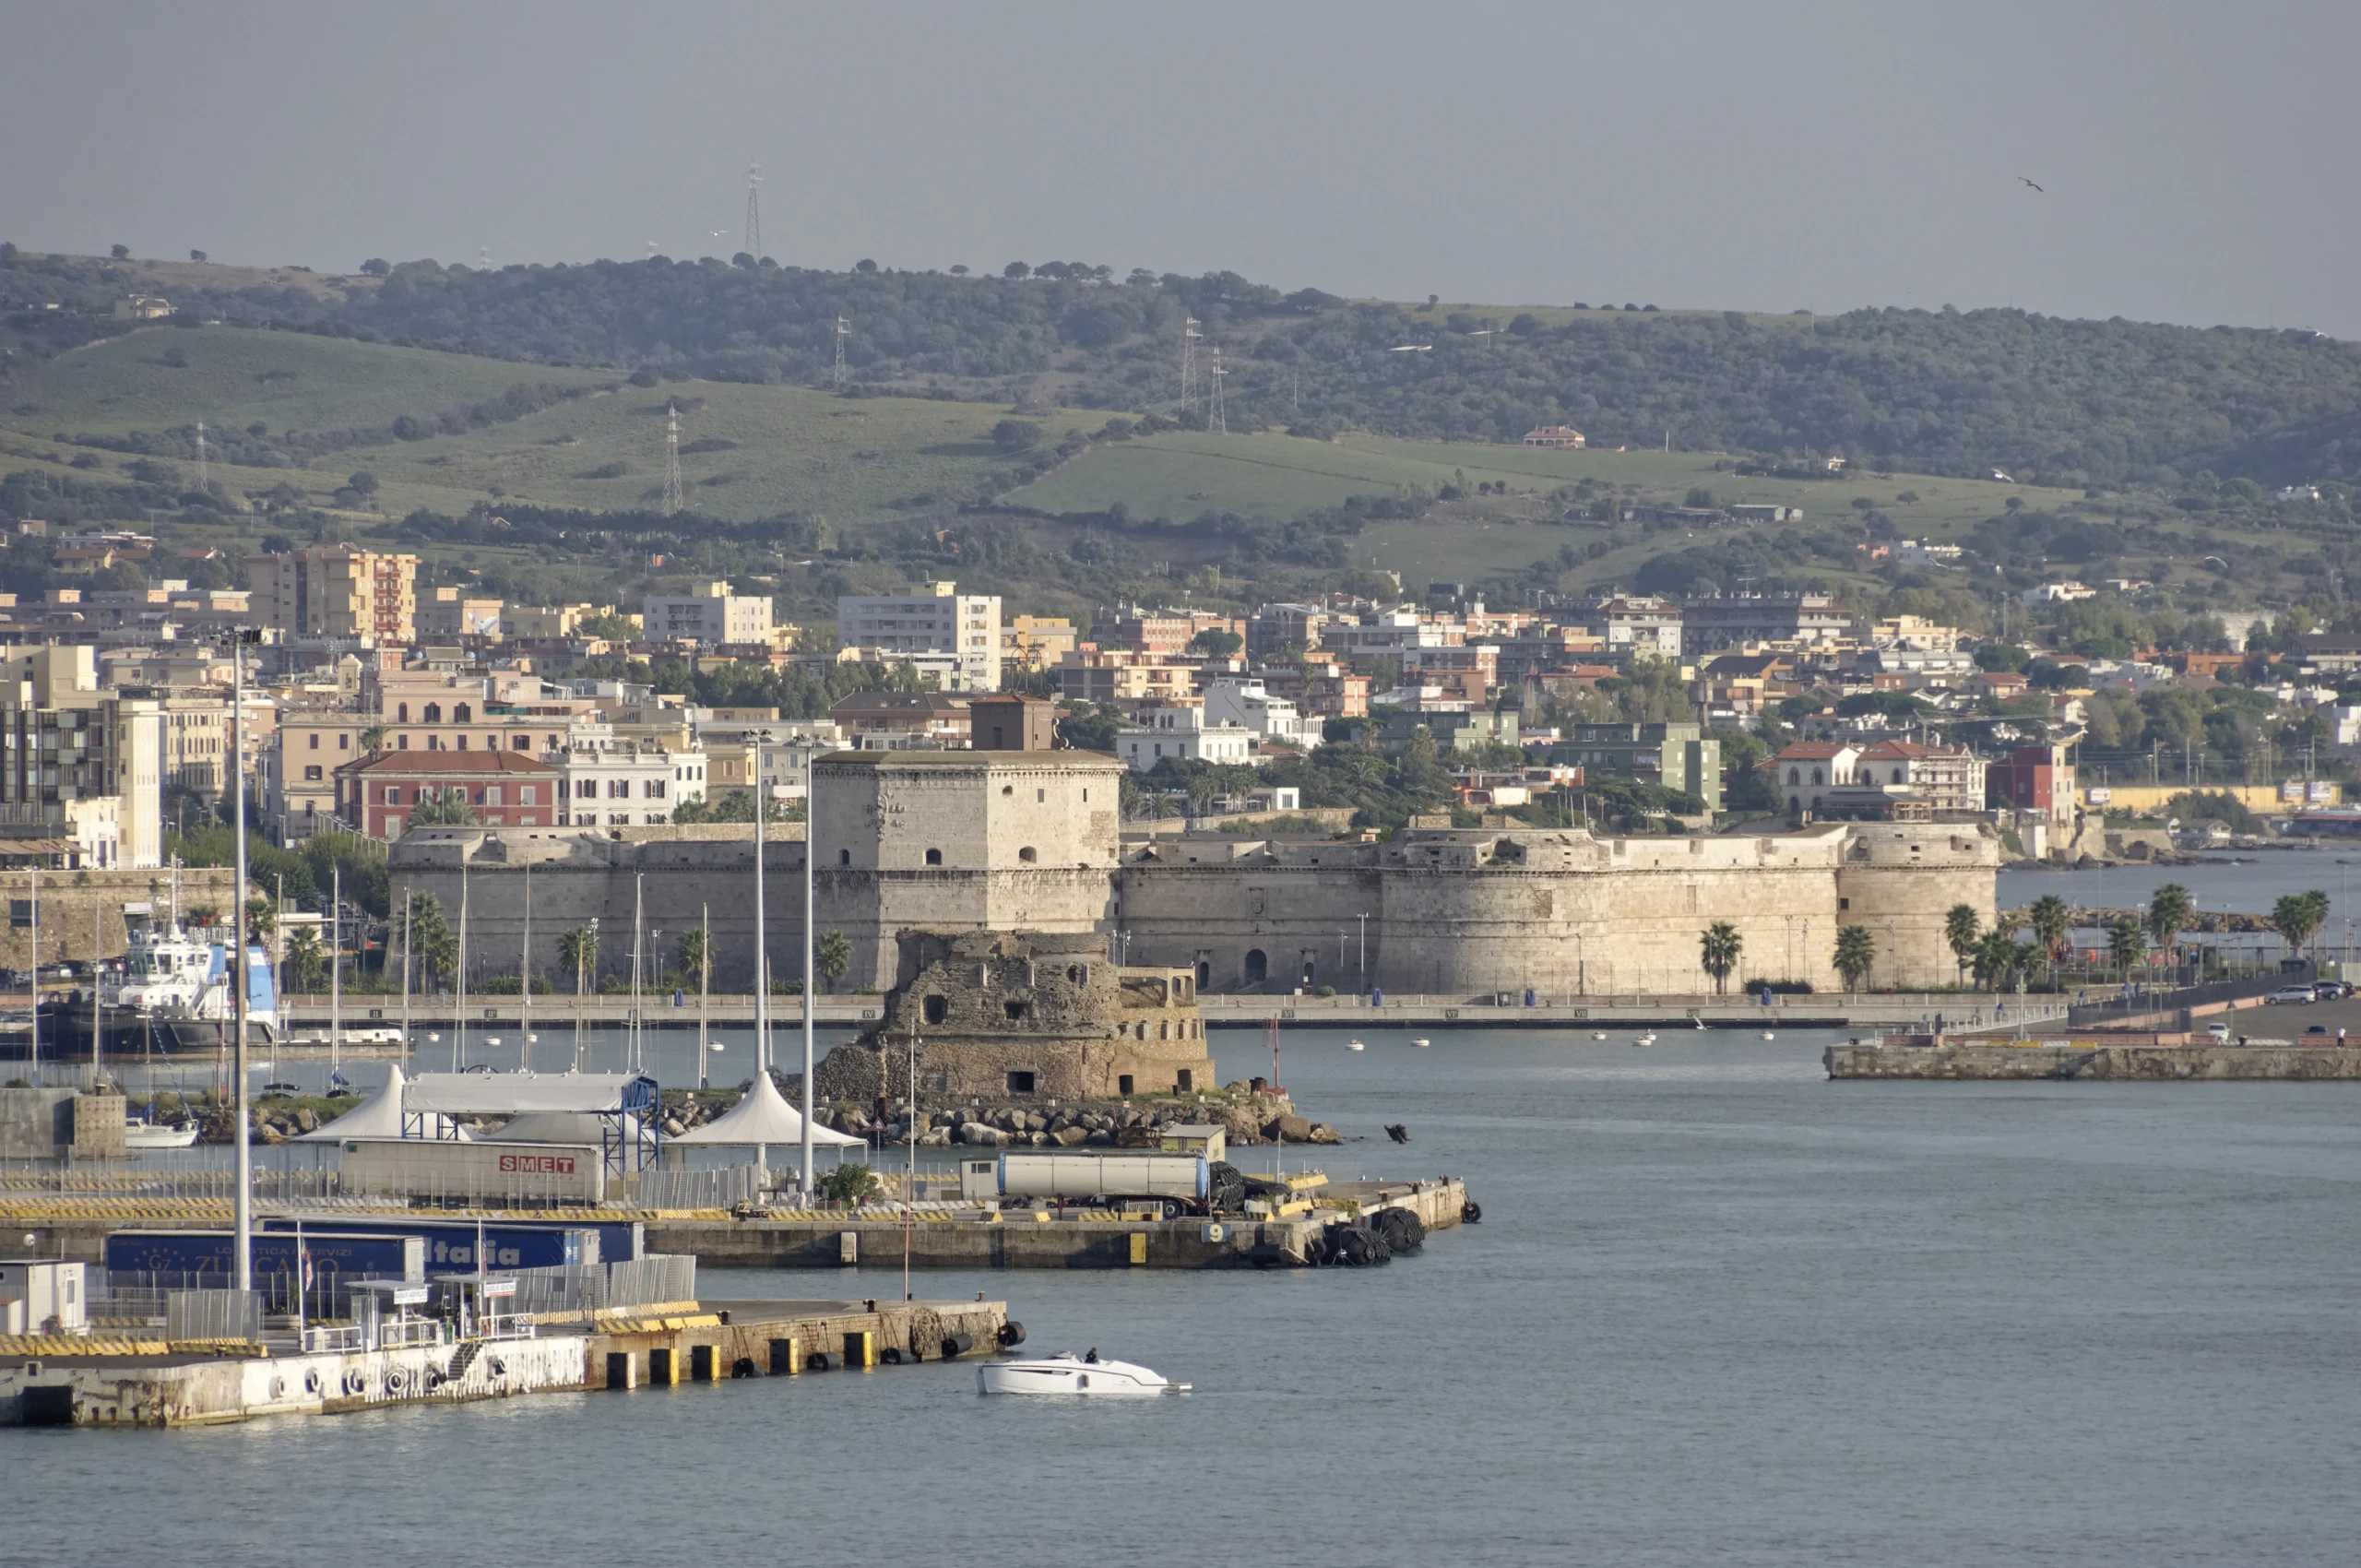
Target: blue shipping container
{"points": [[214, 1253], [451, 1244]]}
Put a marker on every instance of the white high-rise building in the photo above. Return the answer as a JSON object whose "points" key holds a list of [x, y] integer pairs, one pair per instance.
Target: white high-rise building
{"points": [[933, 622], [712, 615]]}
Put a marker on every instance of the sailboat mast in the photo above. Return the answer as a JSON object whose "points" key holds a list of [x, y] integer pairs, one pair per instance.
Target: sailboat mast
{"points": [[336, 974], [406, 898], [525, 977], [459, 981]]}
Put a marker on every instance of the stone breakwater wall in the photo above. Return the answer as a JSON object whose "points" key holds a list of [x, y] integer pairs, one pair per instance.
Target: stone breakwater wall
{"points": [[2211, 1063]]}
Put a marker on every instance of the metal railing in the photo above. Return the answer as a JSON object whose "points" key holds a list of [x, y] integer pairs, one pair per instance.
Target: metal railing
{"points": [[113, 1181], [213, 1315], [695, 1189]]}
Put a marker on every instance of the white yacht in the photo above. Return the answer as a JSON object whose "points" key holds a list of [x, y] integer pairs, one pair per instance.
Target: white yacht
{"points": [[1066, 1372]]}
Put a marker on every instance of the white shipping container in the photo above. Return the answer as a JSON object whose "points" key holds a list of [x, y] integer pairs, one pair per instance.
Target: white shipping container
{"points": [[47, 1291], [434, 1168], [1084, 1176]]}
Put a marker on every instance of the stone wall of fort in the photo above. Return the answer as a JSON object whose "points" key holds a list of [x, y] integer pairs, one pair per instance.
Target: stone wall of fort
{"points": [[1024, 841], [1557, 913]]}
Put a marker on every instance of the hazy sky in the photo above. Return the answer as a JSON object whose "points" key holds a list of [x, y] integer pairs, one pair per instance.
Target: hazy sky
{"points": [[2199, 160]]}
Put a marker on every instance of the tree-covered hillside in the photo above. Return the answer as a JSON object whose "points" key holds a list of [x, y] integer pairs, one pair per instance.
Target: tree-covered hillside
{"points": [[2071, 402]]}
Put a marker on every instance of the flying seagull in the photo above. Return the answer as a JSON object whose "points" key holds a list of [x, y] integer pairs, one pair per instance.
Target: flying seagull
{"points": [[2029, 182]]}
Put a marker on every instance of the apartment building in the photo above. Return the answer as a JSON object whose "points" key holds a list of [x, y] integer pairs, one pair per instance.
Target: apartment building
{"points": [[625, 786], [934, 619], [379, 795], [298, 768], [1184, 733], [1247, 702], [452, 613], [709, 613], [336, 590], [81, 769]]}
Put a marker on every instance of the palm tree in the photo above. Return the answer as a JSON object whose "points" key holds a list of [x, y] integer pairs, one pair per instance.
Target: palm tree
{"points": [[1856, 953], [578, 950], [2052, 920], [693, 956], [2127, 944], [372, 739], [1997, 956], [450, 809], [2169, 913], [1717, 951], [2298, 917], [832, 956], [305, 958], [1962, 930], [433, 940]]}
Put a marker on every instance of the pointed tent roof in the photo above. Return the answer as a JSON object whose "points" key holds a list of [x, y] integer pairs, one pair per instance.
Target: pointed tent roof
{"points": [[379, 1116], [763, 1117]]}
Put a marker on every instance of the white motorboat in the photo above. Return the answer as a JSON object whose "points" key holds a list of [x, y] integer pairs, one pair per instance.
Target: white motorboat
{"points": [[1066, 1372], [1355, 1045], [1648, 1038], [143, 1134], [1422, 1042], [1599, 1034], [1768, 1035]]}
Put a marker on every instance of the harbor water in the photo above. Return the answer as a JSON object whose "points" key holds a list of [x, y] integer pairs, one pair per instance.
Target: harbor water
{"points": [[1719, 1311]]}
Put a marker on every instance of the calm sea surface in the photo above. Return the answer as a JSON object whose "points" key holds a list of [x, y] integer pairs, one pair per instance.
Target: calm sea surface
{"points": [[1719, 1312]]}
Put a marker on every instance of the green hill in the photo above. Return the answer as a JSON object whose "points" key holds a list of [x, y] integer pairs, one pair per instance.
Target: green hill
{"points": [[1064, 506], [2071, 402]]}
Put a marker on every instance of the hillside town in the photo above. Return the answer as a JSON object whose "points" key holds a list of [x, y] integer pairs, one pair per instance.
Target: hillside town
{"points": [[370, 708]]}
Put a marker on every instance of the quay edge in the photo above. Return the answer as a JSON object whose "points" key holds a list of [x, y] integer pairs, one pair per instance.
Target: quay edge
{"points": [[60, 1381], [2095, 1061]]}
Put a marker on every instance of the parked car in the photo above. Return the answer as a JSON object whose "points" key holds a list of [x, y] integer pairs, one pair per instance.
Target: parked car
{"points": [[2217, 1032], [2288, 994], [2316, 1029], [2330, 990]]}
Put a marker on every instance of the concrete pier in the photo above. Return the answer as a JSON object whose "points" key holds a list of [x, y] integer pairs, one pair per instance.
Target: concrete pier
{"points": [[1050, 1238], [92, 1380], [2095, 1058]]}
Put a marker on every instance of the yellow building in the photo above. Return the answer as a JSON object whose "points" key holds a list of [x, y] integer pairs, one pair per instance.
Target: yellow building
{"points": [[336, 590]]}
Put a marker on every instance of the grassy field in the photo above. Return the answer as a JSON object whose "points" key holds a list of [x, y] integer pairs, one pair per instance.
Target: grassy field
{"points": [[746, 451], [758, 451], [233, 377], [1179, 474]]}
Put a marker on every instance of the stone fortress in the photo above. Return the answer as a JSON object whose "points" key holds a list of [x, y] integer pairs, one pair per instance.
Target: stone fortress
{"points": [[990, 1013], [1010, 841]]}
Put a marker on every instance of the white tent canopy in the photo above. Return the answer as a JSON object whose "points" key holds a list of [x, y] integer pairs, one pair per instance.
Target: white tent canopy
{"points": [[763, 1117], [560, 1127], [379, 1116], [513, 1094]]}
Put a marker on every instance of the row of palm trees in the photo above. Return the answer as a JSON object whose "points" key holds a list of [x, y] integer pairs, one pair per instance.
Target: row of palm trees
{"points": [[1720, 945], [1996, 958]]}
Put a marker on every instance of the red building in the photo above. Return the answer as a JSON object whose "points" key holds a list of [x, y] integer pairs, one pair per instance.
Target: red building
{"points": [[379, 796], [2034, 778]]}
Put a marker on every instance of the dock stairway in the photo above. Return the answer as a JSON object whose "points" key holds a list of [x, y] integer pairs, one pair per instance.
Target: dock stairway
{"points": [[462, 1360]]}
